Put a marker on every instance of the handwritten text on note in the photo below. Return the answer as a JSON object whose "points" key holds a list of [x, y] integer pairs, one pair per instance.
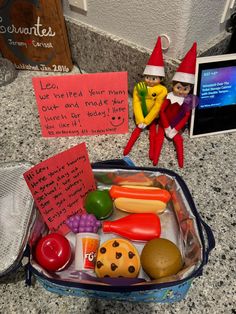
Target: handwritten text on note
{"points": [[60, 184], [87, 104]]}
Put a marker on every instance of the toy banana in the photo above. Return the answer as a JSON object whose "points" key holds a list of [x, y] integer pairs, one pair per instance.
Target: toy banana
{"points": [[139, 199]]}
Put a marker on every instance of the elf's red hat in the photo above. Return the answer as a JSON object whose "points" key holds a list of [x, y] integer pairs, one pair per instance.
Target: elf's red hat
{"points": [[186, 70], [155, 64]]}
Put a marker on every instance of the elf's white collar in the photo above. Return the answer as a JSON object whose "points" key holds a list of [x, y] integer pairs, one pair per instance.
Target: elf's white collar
{"points": [[174, 98]]}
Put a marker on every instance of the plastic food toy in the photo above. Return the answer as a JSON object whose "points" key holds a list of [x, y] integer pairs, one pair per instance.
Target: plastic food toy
{"points": [[99, 203], [137, 227], [147, 99], [139, 199], [161, 258], [133, 179], [83, 223], [177, 107], [117, 258], [86, 251], [53, 252]]}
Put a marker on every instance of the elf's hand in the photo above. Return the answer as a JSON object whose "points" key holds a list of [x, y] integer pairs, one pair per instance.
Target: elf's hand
{"points": [[167, 131], [172, 133], [142, 125]]}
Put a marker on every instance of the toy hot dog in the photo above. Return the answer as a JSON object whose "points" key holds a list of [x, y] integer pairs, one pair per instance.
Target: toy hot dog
{"points": [[139, 199]]}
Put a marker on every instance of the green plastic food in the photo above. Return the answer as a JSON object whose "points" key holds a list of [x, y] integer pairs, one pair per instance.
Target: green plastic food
{"points": [[99, 203], [142, 92]]}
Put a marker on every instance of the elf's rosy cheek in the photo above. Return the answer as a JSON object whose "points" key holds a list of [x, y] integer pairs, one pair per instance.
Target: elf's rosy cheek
{"points": [[117, 121]]}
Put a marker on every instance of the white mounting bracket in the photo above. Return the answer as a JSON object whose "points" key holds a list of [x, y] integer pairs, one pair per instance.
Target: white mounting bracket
{"points": [[79, 4]]}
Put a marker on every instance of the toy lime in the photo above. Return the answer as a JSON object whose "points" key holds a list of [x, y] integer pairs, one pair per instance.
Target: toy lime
{"points": [[99, 203]]}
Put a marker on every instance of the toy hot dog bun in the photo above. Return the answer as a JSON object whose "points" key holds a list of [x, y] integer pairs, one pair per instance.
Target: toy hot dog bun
{"points": [[132, 205], [139, 199]]}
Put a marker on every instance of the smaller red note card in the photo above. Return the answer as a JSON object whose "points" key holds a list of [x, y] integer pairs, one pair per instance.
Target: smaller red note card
{"points": [[82, 104], [60, 184]]}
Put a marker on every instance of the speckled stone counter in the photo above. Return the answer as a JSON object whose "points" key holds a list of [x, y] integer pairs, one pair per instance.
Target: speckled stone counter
{"points": [[209, 172]]}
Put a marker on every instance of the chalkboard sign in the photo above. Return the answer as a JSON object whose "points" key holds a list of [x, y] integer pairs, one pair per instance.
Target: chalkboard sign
{"points": [[33, 35]]}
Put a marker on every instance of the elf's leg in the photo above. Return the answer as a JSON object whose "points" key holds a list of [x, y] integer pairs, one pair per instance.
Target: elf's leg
{"points": [[159, 139], [152, 135], [133, 138], [178, 141]]}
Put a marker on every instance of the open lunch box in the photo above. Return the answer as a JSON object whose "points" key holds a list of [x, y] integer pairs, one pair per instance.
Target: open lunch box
{"points": [[21, 226]]}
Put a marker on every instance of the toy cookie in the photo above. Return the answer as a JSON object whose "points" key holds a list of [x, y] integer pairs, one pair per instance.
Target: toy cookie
{"points": [[117, 258]]}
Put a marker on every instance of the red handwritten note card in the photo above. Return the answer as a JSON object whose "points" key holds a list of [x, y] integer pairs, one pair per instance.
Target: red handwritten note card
{"points": [[87, 104], [59, 185]]}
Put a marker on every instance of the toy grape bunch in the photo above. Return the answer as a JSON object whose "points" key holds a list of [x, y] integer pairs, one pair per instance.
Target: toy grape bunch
{"points": [[176, 109], [83, 223], [147, 99]]}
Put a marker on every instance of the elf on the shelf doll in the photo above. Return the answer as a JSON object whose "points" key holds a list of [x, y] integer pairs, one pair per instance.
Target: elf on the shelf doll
{"points": [[147, 99], [176, 108]]}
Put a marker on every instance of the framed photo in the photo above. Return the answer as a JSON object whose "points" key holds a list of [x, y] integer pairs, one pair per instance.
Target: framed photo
{"points": [[215, 85]]}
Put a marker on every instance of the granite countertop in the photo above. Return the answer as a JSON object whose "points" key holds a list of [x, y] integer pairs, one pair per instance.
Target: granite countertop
{"points": [[209, 172]]}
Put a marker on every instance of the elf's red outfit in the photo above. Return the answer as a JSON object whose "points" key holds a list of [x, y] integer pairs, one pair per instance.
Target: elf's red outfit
{"points": [[176, 108], [172, 115]]}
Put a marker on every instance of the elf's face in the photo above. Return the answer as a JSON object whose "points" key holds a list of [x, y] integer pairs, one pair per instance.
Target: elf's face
{"points": [[181, 90], [152, 80]]}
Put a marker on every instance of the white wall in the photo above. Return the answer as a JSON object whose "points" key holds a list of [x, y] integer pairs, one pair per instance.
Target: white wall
{"points": [[141, 21]]}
